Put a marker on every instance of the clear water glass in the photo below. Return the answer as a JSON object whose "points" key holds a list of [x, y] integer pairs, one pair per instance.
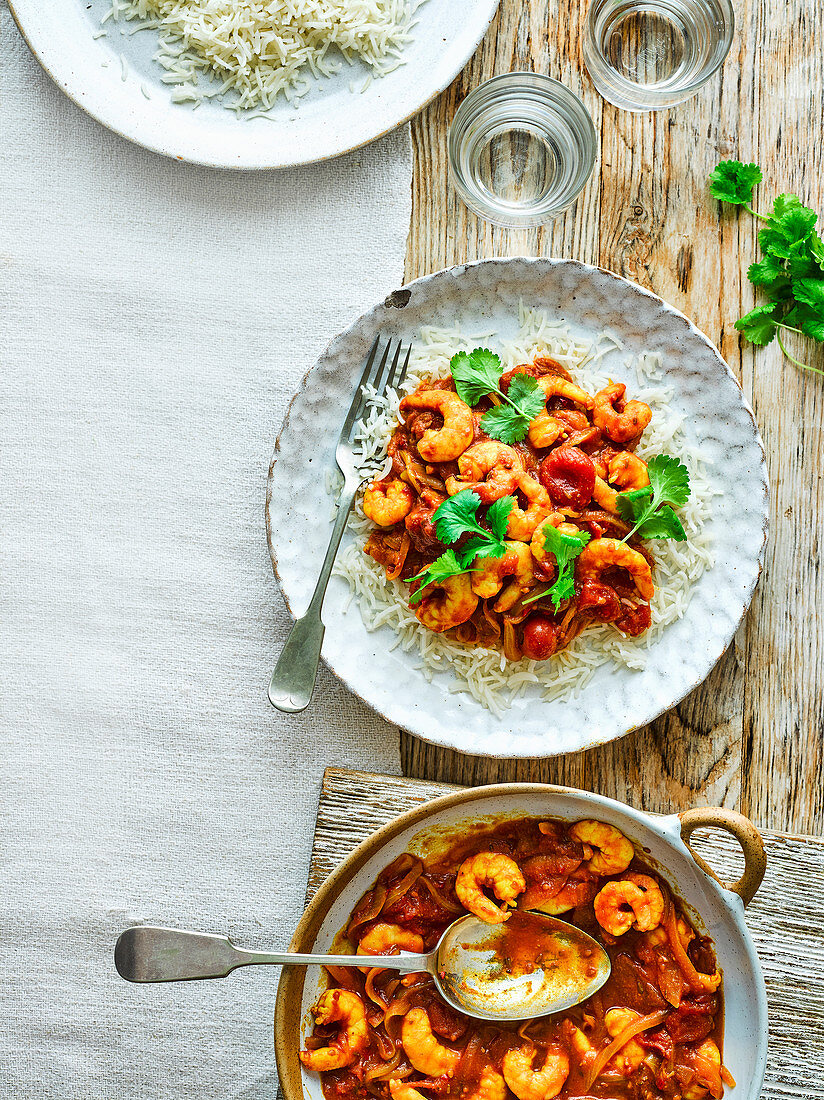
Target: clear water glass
{"points": [[644, 55], [521, 147]]}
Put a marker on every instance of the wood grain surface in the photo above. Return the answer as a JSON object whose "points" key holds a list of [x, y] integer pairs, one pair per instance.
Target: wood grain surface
{"points": [[751, 737], [789, 937]]}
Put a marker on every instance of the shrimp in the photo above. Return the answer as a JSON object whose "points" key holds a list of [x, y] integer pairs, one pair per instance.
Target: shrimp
{"points": [[707, 1065], [498, 873], [399, 1090], [388, 502], [614, 852], [537, 544], [490, 1087], [448, 603], [383, 938], [628, 471], [601, 554], [531, 1084], [555, 386], [489, 573], [632, 902], [422, 1049], [344, 1007], [522, 523], [605, 495], [490, 469], [631, 1054], [545, 430], [624, 425], [458, 431]]}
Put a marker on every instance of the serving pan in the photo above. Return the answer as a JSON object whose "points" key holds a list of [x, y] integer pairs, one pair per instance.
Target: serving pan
{"points": [[715, 907]]}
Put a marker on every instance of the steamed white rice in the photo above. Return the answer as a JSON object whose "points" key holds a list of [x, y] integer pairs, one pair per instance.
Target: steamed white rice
{"points": [[257, 50], [484, 673]]}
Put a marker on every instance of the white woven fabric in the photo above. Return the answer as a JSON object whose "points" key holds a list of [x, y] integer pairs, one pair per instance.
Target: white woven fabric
{"points": [[155, 320]]}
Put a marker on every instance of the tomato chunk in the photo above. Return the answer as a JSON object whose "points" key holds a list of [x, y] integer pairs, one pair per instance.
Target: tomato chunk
{"points": [[635, 621], [568, 475], [600, 600], [540, 637]]}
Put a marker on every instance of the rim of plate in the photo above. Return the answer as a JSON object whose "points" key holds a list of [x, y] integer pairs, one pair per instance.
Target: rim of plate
{"points": [[58, 65], [399, 298]]}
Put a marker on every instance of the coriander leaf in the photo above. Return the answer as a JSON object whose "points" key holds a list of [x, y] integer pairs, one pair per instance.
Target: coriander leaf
{"points": [[782, 204], [525, 392], [486, 548], [505, 423], [670, 480], [810, 321], [635, 506], [769, 273], [759, 325], [566, 549], [734, 182], [792, 228], [475, 374], [447, 565], [817, 249], [665, 524], [497, 516], [457, 515], [811, 293]]}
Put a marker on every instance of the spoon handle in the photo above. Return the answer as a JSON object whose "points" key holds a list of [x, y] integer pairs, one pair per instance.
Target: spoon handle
{"points": [[150, 954]]}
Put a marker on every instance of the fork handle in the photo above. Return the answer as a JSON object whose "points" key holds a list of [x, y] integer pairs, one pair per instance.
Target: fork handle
{"points": [[293, 679]]}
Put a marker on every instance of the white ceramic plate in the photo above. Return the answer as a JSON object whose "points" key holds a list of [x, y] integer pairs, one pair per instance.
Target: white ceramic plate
{"points": [[330, 120], [716, 912], [616, 701]]}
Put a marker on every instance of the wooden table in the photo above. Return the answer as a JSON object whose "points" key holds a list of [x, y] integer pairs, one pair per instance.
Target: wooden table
{"points": [[752, 736]]}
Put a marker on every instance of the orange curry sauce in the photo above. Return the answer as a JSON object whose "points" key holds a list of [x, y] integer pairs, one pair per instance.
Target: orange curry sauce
{"points": [[652, 1032], [579, 454]]}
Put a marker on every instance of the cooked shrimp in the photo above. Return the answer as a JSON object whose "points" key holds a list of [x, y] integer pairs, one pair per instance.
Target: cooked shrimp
{"points": [[545, 430], [490, 469], [632, 902], [631, 1054], [496, 872], [624, 425], [628, 471], [601, 554], [388, 502], [458, 431], [489, 574], [346, 1008], [582, 1046], [423, 1050], [522, 522], [399, 1090], [531, 1084], [537, 544], [490, 1087], [707, 1065], [447, 603], [613, 853], [605, 496], [658, 936], [383, 938], [555, 386]]}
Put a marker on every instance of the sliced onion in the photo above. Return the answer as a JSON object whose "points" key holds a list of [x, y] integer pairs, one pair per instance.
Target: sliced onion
{"points": [[644, 1023]]}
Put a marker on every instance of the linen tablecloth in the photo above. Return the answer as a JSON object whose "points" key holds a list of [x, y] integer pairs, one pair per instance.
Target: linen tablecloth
{"points": [[156, 318]]}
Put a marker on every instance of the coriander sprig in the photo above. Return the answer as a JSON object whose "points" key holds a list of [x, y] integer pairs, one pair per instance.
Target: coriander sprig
{"points": [[477, 374], [455, 518], [792, 269], [566, 549], [650, 510]]}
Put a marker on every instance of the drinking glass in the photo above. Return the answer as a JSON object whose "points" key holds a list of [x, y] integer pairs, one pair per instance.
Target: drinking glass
{"points": [[644, 55]]}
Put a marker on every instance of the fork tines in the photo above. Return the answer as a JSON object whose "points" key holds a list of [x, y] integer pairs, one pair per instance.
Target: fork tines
{"points": [[381, 375]]}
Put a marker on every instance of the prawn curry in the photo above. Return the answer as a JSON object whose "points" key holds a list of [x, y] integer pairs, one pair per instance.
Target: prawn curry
{"points": [[517, 544], [652, 1032]]}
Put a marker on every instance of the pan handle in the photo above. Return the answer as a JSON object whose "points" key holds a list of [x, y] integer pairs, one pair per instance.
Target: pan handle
{"points": [[755, 859]]}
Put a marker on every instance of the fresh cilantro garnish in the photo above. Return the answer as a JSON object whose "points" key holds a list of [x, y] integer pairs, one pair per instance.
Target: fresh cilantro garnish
{"points": [[649, 511], [477, 374], [735, 182], [566, 549], [455, 518], [791, 271]]}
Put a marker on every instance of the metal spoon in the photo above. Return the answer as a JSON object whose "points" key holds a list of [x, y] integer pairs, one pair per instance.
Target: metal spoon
{"points": [[532, 965]]}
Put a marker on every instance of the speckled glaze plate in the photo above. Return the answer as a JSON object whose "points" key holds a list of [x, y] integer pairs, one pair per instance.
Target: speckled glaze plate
{"points": [[116, 81], [616, 701]]}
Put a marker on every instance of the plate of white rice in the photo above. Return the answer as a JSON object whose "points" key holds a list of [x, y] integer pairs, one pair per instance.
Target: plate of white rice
{"points": [[252, 83], [600, 327]]}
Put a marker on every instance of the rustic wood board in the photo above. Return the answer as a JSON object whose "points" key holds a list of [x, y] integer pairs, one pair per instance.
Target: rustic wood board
{"points": [[752, 736], [786, 918]]}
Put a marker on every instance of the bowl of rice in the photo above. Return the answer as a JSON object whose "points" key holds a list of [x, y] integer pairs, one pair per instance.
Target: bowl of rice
{"points": [[600, 327]]}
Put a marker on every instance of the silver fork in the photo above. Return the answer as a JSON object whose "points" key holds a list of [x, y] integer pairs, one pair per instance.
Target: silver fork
{"points": [[293, 680]]}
